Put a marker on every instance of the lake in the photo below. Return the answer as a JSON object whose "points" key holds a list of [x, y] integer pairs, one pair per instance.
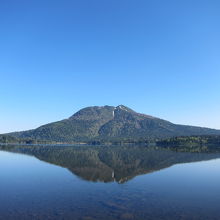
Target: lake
{"points": [[107, 182]]}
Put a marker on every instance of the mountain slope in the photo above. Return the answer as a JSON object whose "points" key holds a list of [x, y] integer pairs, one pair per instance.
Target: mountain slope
{"points": [[111, 123]]}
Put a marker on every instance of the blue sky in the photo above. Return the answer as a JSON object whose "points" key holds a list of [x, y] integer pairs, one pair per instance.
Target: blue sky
{"points": [[157, 57]]}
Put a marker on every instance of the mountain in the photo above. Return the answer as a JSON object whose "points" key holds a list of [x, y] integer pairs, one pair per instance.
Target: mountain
{"points": [[111, 123]]}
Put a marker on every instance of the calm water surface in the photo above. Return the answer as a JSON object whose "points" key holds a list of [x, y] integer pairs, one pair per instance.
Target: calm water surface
{"points": [[108, 183]]}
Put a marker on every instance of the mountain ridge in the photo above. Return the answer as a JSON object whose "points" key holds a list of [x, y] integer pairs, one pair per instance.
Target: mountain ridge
{"points": [[111, 123]]}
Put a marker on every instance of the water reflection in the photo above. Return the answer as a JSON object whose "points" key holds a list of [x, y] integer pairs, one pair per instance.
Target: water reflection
{"points": [[110, 163]]}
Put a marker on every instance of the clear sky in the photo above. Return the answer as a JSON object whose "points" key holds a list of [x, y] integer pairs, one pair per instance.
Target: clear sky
{"points": [[158, 57]]}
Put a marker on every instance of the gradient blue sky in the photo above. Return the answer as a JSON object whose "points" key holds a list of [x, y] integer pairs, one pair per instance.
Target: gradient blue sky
{"points": [[157, 57]]}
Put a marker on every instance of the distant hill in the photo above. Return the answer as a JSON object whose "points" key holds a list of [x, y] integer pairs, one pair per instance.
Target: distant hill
{"points": [[8, 139], [111, 123]]}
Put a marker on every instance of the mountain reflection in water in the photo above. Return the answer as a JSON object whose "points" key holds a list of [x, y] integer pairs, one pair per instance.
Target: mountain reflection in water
{"points": [[110, 163]]}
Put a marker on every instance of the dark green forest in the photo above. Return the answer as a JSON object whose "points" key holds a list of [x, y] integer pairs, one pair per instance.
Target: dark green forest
{"points": [[182, 144], [192, 143]]}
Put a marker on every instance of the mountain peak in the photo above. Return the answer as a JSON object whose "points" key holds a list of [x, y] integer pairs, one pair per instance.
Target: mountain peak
{"points": [[93, 112], [125, 108]]}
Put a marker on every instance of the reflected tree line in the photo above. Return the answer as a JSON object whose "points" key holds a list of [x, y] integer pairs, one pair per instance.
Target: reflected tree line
{"points": [[110, 163]]}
